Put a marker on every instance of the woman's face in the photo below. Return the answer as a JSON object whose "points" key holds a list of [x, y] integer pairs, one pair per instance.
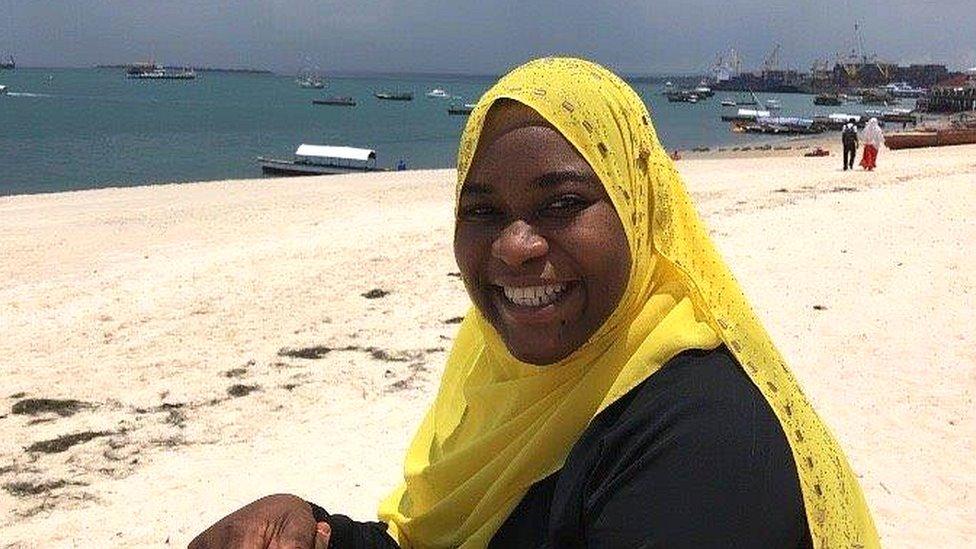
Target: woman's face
{"points": [[540, 247]]}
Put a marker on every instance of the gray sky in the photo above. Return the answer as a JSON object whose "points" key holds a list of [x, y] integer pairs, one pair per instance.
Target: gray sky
{"points": [[481, 36]]}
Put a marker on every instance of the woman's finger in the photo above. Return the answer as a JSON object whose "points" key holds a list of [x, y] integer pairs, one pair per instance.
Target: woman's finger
{"points": [[322, 534]]}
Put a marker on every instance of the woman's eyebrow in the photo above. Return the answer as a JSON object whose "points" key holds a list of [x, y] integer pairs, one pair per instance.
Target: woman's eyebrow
{"points": [[560, 176]]}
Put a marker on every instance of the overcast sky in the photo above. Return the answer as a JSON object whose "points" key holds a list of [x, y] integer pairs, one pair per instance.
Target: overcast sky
{"points": [[481, 36]]}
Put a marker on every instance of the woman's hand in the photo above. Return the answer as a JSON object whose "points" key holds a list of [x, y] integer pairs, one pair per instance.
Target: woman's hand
{"points": [[272, 522]]}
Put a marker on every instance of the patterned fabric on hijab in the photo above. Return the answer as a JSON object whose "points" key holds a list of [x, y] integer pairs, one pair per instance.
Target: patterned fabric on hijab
{"points": [[498, 425]]}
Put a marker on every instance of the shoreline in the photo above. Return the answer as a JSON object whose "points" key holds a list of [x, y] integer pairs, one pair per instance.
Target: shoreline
{"points": [[190, 336], [794, 146]]}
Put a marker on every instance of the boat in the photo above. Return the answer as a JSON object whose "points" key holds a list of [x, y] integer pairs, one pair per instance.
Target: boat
{"points": [[837, 120], [773, 104], [931, 138], [322, 160], [3, 89], [152, 71], [702, 90], [438, 93], [310, 82], [307, 79], [899, 116], [903, 89], [745, 115], [729, 103], [394, 96], [682, 96], [829, 99], [878, 96], [668, 88], [338, 100], [461, 109], [9, 63], [778, 125]]}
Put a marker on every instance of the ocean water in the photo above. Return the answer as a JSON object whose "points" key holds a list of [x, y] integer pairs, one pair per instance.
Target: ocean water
{"points": [[68, 129]]}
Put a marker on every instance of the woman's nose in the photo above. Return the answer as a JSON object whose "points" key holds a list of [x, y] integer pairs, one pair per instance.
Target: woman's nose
{"points": [[518, 243]]}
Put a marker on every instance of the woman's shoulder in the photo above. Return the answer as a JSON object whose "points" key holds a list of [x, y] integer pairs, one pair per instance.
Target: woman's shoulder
{"points": [[695, 444], [699, 384]]}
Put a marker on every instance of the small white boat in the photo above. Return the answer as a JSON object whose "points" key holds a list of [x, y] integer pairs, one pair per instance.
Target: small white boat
{"points": [[322, 160], [773, 104], [728, 103], [438, 93], [461, 110], [310, 82], [3, 89]]}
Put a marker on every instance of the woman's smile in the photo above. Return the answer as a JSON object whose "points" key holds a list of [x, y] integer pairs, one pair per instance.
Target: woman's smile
{"points": [[541, 303]]}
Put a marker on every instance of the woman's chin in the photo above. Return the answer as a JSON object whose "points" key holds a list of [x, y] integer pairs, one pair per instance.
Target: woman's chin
{"points": [[536, 350]]}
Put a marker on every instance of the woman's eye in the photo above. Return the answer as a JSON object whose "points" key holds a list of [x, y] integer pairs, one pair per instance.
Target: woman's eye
{"points": [[565, 205], [478, 211]]}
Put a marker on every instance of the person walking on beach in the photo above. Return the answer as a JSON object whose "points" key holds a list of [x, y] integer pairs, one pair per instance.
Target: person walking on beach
{"points": [[849, 138], [873, 139]]}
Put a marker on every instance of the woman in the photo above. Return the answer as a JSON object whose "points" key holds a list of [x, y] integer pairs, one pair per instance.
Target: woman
{"points": [[873, 139], [610, 386]]}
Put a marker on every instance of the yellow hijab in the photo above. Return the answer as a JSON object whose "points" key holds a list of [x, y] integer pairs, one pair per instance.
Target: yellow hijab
{"points": [[498, 425]]}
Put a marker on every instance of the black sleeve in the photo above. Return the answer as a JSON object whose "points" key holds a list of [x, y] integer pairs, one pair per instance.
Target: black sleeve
{"points": [[697, 459], [351, 534]]}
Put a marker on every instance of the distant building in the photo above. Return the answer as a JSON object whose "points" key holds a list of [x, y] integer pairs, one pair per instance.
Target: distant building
{"points": [[867, 74]]}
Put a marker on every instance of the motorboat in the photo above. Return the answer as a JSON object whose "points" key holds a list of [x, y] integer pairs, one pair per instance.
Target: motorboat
{"points": [[703, 91], [336, 100], [152, 71], [394, 96], [310, 84], [682, 96], [829, 99], [903, 89], [782, 125], [729, 103], [308, 79], [773, 104], [438, 93], [3, 89], [461, 110], [745, 115], [322, 160]]}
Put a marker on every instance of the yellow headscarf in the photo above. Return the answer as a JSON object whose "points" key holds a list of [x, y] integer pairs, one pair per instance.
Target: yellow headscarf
{"points": [[499, 425]]}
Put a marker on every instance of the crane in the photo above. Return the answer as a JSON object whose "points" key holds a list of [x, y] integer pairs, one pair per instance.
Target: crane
{"points": [[771, 62]]}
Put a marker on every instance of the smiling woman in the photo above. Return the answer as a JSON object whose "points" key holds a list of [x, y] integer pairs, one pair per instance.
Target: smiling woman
{"points": [[611, 385], [541, 249]]}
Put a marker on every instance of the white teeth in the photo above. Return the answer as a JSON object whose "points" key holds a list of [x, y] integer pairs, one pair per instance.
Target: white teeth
{"points": [[534, 296]]}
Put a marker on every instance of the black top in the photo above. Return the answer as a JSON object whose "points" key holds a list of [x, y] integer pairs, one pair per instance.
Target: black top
{"points": [[691, 457]]}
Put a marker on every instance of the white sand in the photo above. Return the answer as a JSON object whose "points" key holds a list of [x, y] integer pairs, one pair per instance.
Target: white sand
{"points": [[149, 303]]}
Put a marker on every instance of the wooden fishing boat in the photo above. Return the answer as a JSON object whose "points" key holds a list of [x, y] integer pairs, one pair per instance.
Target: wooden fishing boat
{"points": [[340, 101], [933, 138], [830, 99]]}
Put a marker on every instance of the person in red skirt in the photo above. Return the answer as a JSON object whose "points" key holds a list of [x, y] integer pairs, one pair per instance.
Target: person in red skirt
{"points": [[873, 139]]}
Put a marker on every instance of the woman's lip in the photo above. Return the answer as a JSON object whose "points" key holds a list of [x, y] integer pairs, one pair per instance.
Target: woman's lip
{"points": [[529, 282], [525, 314]]}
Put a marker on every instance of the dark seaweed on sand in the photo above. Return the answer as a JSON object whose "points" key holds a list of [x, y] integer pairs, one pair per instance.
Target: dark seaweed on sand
{"points": [[36, 406], [62, 443]]}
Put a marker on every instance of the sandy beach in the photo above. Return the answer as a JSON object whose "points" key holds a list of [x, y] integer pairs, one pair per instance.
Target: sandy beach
{"points": [[172, 352]]}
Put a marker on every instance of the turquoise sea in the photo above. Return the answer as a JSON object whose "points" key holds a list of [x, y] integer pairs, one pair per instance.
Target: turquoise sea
{"points": [[67, 129]]}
